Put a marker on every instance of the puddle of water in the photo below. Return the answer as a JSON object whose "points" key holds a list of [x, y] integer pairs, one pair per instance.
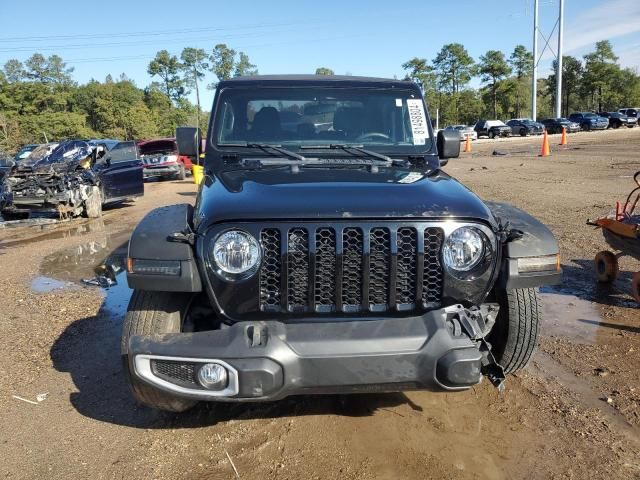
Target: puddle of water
{"points": [[46, 284], [86, 260], [58, 229], [569, 316], [117, 298]]}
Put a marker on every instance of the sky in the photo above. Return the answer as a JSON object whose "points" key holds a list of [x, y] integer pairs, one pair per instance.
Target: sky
{"points": [[370, 38]]}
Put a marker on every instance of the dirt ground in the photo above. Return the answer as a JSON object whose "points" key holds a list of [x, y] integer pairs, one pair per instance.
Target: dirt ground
{"points": [[573, 414]]}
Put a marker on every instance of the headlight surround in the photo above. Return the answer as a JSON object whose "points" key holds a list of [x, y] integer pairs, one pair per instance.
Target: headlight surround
{"points": [[464, 251], [235, 254]]}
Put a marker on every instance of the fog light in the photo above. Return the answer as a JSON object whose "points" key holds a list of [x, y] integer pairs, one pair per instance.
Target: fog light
{"points": [[213, 376]]}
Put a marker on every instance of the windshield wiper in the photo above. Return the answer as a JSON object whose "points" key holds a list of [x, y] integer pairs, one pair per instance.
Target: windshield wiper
{"points": [[266, 147], [347, 148]]}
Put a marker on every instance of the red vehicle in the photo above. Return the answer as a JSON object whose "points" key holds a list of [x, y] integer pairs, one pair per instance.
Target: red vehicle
{"points": [[160, 159]]}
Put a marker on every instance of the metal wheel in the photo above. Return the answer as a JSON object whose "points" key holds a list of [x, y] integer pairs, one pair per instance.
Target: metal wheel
{"points": [[606, 265]]}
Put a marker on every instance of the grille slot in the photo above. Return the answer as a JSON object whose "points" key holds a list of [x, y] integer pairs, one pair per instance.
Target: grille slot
{"points": [[351, 269], [270, 270], [297, 269], [379, 258], [325, 285], [432, 274], [407, 268], [180, 373]]}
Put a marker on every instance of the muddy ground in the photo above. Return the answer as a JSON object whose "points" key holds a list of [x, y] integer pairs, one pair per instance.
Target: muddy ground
{"points": [[573, 414]]}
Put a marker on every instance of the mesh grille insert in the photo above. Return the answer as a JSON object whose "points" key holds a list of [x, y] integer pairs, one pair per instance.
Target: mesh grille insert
{"points": [[352, 267], [176, 372], [270, 271], [380, 256], [406, 273], [325, 281], [297, 268], [432, 282]]}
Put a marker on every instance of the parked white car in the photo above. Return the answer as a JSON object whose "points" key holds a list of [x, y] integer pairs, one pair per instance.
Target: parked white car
{"points": [[464, 131]]}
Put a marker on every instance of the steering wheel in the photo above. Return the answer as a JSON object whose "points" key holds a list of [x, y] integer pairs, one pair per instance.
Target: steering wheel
{"points": [[373, 135]]}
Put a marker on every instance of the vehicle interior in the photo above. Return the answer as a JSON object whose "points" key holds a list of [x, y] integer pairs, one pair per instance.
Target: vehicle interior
{"points": [[316, 117]]}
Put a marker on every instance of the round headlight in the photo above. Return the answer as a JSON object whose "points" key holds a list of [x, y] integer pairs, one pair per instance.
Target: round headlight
{"points": [[463, 249], [236, 252]]}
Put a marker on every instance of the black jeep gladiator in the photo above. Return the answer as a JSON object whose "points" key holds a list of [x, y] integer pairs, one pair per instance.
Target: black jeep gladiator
{"points": [[328, 254]]}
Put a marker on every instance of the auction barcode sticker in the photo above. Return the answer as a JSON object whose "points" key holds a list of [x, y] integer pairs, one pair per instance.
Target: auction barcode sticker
{"points": [[418, 120]]}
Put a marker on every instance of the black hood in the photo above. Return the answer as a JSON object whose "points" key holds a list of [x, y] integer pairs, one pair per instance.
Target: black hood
{"points": [[334, 193]]}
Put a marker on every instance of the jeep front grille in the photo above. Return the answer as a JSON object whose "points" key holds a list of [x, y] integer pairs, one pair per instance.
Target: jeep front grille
{"points": [[350, 269]]}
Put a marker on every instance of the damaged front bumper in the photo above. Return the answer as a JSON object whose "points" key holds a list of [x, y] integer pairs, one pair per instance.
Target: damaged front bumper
{"points": [[167, 170], [269, 360], [39, 192]]}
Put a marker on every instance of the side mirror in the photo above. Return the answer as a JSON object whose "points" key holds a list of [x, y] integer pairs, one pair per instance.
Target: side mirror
{"points": [[448, 145], [189, 141]]}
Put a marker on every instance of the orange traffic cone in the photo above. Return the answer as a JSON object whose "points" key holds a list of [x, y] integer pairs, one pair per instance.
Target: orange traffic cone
{"points": [[467, 145], [563, 140], [545, 152]]}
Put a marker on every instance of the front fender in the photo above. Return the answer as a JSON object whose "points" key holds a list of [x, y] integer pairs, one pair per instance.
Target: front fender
{"points": [[150, 245], [531, 260]]}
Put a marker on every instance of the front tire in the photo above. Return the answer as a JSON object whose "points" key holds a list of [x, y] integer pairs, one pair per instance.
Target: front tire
{"points": [[491, 135], [182, 173], [93, 204], [523, 132], [515, 334], [153, 313]]}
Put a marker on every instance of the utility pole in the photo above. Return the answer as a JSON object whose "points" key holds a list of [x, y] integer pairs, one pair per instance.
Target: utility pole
{"points": [[559, 61], [534, 75]]}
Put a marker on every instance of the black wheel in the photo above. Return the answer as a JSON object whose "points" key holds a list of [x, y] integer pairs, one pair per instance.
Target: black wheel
{"points": [[616, 125], [93, 204], [523, 132], [635, 286], [491, 134], [515, 334], [606, 265], [152, 313], [586, 127], [182, 174]]}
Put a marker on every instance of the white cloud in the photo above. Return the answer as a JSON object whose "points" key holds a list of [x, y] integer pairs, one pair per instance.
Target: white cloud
{"points": [[610, 19]]}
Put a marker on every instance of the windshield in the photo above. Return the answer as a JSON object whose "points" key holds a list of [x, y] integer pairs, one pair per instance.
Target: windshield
{"points": [[389, 121]]}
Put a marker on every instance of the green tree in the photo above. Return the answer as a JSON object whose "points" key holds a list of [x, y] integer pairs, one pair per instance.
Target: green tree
{"points": [[57, 70], [14, 71], [493, 68], [571, 80], [419, 71], [600, 70], [222, 62], [243, 67], [194, 66], [324, 71], [454, 67], [521, 61], [168, 68]]}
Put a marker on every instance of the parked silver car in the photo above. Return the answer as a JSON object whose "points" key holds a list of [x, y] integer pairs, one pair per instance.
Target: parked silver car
{"points": [[464, 131]]}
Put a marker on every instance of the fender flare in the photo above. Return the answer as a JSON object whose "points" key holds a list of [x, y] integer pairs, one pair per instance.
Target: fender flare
{"points": [[150, 244], [537, 242]]}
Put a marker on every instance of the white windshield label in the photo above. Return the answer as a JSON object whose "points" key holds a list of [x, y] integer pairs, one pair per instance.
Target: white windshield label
{"points": [[418, 121]]}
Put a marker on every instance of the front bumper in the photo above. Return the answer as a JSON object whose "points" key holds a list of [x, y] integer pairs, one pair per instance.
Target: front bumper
{"points": [[161, 171], [270, 360]]}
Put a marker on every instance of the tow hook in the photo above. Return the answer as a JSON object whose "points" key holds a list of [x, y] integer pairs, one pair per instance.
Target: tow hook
{"points": [[477, 322]]}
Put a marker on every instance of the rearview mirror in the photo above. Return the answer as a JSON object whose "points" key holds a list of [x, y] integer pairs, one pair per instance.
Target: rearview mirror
{"points": [[189, 141], [448, 145]]}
